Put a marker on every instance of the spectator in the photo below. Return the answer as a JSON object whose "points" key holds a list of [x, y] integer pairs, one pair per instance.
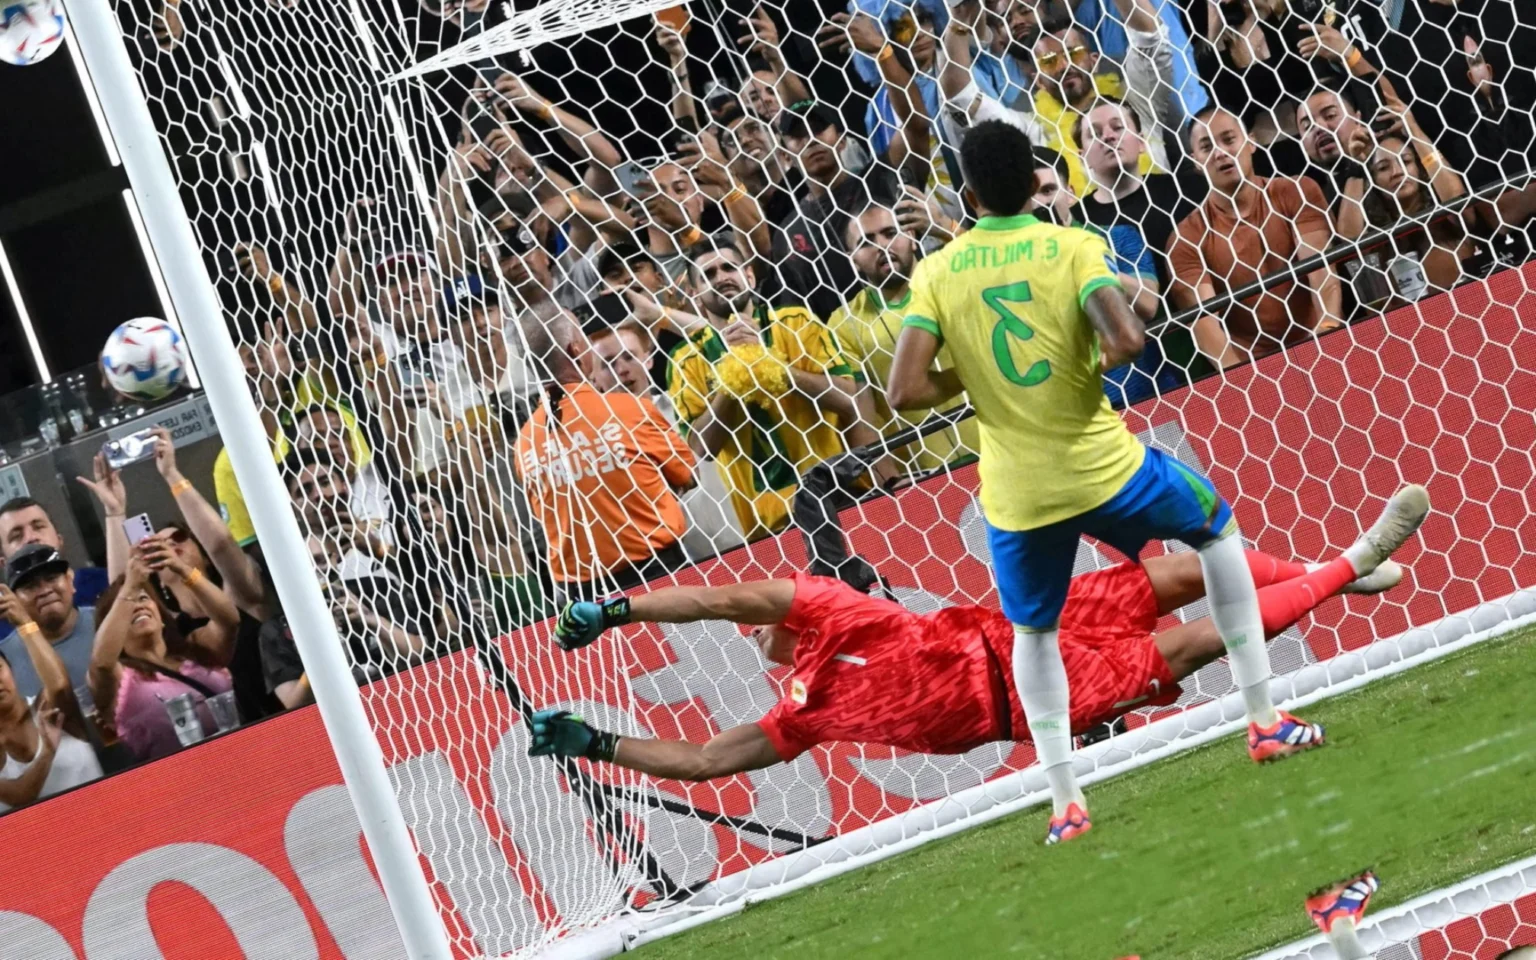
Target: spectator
{"points": [[1053, 198], [623, 360], [839, 174], [140, 662], [44, 584], [1333, 134], [44, 746], [1068, 83], [1136, 212], [24, 521], [1419, 262], [615, 456], [1107, 24], [382, 622], [867, 326], [245, 585], [1249, 227], [492, 385], [810, 401]]}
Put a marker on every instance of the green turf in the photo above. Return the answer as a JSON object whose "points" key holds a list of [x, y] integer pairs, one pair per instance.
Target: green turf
{"points": [[1428, 777]]}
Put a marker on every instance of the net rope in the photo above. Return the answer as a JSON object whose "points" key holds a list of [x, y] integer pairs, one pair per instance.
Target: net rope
{"points": [[439, 229]]}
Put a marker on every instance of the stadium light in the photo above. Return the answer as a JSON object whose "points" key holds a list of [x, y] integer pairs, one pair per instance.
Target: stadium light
{"points": [[167, 308], [38, 360]]}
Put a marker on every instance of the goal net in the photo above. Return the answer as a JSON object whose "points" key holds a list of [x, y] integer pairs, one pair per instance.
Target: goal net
{"points": [[684, 232]]}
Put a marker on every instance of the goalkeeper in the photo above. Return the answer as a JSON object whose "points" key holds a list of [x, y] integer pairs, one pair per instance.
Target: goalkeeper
{"points": [[868, 670]]}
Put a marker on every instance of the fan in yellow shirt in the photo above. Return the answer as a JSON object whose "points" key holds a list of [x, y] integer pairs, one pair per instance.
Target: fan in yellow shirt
{"points": [[765, 391], [867, 327], [1033, 315]]}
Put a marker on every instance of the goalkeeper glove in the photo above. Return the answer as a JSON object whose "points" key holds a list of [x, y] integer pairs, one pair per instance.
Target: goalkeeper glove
{"points": [[560, 733], [582, 621]]}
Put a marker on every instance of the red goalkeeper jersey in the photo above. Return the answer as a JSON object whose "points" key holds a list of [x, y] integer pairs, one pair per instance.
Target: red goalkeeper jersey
{"points": [[868, 670]]}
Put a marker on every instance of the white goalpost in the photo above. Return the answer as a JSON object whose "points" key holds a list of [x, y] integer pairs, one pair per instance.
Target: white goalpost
{"points": [[375, 219], [202, 318]]}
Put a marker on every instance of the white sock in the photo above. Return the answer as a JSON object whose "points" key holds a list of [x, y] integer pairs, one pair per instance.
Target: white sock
{"points": [[1235, 611], [1041, 680], [1346, 941]]}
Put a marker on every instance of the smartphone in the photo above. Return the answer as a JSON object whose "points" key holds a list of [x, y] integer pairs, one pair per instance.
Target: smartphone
{"points": [[137, 528], [635, 179], [130, 449], [675, 17]]}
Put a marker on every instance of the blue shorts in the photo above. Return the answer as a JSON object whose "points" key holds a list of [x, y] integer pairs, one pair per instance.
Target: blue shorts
{"points": [[1164, 500]]}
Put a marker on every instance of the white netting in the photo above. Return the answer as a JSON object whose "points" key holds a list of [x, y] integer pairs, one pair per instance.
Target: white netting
{"points": [[409, 237]]}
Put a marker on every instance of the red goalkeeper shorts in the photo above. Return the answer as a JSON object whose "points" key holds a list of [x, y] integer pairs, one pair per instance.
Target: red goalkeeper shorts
{"points": [[1113, 664]]}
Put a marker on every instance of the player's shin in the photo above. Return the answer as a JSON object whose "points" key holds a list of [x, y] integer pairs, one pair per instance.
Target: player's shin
{"points": [[1041, 680], [1235, 611]]}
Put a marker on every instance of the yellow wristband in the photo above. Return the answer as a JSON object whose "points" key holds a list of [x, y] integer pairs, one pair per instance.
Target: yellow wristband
{"points": [[374, 362], [29, 627], [180, 487], [1353, 57], [573, 198], [457, 427], [736, 193], [193, 577], [544, 112], [693, 236], [886, 53], [275, 285]]}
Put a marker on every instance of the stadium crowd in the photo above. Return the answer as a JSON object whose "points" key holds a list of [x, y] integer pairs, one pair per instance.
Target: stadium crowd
{"points": [[526, 411]]}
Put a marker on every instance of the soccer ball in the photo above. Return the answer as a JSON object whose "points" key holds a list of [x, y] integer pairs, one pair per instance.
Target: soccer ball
{"points": [[30, 30], [145, 359]]}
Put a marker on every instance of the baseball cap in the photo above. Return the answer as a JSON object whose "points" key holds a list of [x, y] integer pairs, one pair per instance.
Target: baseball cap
{"points": [[386, 265], [803, 115], [32, 561], [462, 294]]}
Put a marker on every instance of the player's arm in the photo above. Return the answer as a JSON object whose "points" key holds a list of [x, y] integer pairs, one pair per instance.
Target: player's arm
{"points": [[757, 602], [914, 384], [1122, 335], [563, 734]]}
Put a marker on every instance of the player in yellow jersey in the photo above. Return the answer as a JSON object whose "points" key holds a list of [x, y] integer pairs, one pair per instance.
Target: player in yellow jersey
{"points": [[1032, 315]]}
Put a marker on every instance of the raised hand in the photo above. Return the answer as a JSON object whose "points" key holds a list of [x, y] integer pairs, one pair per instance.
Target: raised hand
{"points": [[107, 487], [703, 158], [50, 723], [762, 36], [1326, 42], [165, 456], [671, 43], [160, 556], [12, 609], [516, 92]]}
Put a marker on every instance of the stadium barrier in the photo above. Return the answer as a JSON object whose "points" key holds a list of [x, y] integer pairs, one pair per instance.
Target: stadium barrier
{"points": [[249, 846]]}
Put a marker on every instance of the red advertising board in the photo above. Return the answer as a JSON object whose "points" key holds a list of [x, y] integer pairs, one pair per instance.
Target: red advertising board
{"points": [[247, 846]]}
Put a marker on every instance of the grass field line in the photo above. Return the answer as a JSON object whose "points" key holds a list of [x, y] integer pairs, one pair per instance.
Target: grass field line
{"points": [[1007, 795], [1401, 924]]}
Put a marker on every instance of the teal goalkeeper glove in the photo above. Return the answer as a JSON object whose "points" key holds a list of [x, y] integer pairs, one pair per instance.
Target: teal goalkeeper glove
{"points": [[582, 621], [560, 733]]}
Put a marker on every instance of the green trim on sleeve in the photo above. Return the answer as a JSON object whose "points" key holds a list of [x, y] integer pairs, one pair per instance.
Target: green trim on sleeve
{"points": [[1095, 284], [923, 323]]}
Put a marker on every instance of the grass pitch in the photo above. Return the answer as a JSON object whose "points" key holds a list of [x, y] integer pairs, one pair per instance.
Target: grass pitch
{"points": [[1428, 777]]}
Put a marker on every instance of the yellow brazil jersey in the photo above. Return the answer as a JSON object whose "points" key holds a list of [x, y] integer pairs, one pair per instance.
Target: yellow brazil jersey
{"points": [[227, 489], [867, 327], [762, 467], [1006, 300], [1056, 120]]}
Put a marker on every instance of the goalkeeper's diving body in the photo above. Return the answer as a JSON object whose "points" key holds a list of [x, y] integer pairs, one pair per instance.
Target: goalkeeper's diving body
{"points": [[868, 670], [1032, 315]]}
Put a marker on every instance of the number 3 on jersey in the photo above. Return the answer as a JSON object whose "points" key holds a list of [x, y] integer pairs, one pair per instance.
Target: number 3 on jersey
{"points": [[1010, 326]]}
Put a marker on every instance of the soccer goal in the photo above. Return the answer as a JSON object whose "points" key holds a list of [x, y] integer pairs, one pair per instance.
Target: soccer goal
{"points": [[379, 223]]}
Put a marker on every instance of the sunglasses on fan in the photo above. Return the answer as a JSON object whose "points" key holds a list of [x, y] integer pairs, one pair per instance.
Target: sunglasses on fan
{"points": [[1052, 62]]}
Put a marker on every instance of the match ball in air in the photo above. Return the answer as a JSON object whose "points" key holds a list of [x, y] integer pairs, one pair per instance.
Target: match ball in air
{"points": [[30, 30], [145, 359]]}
